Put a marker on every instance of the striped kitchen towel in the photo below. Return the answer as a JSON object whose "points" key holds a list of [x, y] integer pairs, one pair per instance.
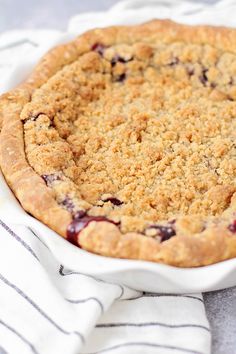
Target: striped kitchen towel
{"points": [[47, 309]]}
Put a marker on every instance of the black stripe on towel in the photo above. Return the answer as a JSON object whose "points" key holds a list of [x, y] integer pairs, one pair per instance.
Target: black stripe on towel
{"points": [[121, 293], [146, 324], [19, 336], [146, 344], [39, 310], [17, 238], [166, 295], [34, 233], [88, 299], [62, 273]]}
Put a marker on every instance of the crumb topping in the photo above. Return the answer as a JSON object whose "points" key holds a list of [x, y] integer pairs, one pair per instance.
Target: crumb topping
{"points": [[140, 134]]}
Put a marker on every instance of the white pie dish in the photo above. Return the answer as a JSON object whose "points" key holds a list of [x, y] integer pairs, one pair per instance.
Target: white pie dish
{"points": [[139, 275]]}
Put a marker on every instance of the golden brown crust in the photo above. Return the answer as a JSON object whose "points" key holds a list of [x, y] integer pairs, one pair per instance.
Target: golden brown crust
{"points": [[201, 247], [181, 251]]}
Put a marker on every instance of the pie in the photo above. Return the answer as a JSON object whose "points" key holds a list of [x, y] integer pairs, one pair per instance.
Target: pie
{"points": [[123, 142]]}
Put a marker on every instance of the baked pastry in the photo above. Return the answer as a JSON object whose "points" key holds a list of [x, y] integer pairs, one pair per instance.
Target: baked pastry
{"points": [[123, 141]]}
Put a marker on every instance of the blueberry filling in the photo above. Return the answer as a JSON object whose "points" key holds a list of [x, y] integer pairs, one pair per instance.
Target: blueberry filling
{"points": [[113, 200], [190, 71], [173, 62], [80, 221], [117, 58], [164, 232], [80, 214], [49, 179], [203, 78], [232, 227], [121, 78], [99, 48], [68, 204]]}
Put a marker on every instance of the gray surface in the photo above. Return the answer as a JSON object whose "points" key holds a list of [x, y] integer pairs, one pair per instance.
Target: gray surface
{"points": [[220, 305], [221, 313], [45, 13], [48, 13]]}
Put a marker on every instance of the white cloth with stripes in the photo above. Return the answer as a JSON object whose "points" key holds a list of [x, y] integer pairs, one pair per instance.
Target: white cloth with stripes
{"points": [[47, 309]]}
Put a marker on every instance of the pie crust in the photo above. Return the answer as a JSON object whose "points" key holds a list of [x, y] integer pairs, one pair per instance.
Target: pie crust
{"points": [[123, 141]]}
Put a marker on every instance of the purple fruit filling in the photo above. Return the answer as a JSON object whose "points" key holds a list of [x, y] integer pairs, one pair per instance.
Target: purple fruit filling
{"points": [[117, 58], [80, 214], [80, 221], [203, 78], [121, 78], [68, 204], [232, 227], [49, 179], [174, 61], [113, 200], [190, 71], [99, 48], [164, 232]]}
